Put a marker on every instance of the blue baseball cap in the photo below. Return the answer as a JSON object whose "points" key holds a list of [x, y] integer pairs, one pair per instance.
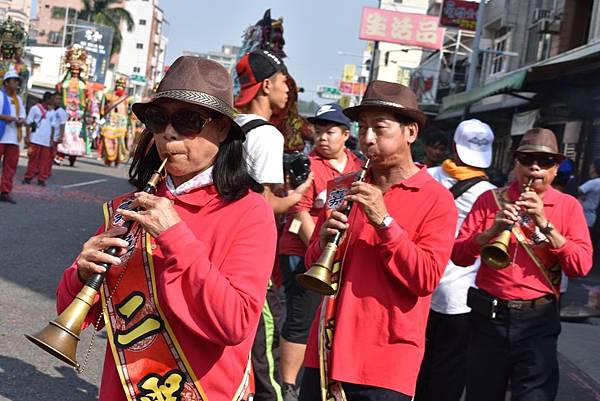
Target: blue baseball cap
{"points": [[331, 112]]}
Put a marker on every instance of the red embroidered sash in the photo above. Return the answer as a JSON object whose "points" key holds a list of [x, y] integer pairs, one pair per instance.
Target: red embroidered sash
{"points": [[331, 390], [151, 363]]}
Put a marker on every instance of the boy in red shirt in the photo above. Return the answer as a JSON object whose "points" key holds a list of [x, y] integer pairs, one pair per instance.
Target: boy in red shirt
{"points": [[329, 159]]}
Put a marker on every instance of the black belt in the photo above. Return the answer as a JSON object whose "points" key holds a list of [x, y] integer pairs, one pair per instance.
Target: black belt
{"points": [[525, 304]]}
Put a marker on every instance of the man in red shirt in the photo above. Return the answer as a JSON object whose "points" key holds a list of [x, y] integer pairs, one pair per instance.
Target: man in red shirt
{"points": [[329, 159], [399, 236], [515, 321]]}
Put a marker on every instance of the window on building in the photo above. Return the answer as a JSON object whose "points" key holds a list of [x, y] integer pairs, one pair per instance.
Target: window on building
{"points": [[139, 46], [142, 22], [58, 12], [499, 60], [136, 69], [54, 37]]}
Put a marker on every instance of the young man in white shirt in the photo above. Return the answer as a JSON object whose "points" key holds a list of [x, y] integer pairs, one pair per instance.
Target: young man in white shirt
{"points": [[12, 119], [40, 137], [443, 370], [589, 193], [263, 80]]}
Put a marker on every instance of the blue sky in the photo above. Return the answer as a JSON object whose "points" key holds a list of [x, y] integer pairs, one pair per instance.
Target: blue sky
{"points": [[314, 32]]}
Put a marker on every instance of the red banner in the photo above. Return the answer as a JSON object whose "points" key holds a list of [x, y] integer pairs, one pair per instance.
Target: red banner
{"points": [[459, 14], [402, 28]]}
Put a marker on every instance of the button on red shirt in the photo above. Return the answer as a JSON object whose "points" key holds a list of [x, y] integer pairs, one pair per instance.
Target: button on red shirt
{"points": [[522, 279], [387, 281], [323, 171]]}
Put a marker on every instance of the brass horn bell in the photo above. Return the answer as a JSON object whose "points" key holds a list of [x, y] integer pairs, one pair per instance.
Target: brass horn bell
{"points": [[495, 254], [318, 277], [60, 337]]}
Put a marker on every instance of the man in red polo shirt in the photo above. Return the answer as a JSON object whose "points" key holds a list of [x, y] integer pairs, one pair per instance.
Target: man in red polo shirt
{"points": [[329, 159], [399, 236], [514, 320]]}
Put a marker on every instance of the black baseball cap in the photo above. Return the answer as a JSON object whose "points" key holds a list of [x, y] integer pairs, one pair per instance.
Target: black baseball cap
{"points": [[254, 68]]}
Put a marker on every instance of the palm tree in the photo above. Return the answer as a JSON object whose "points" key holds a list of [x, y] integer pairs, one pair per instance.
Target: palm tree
{"points": [[106, 12]]}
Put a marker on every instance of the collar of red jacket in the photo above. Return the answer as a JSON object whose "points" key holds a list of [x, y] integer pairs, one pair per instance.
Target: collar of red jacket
{"points": [[549, 199]]}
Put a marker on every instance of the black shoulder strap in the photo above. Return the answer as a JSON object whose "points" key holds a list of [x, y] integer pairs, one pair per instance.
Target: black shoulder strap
{"points": [[250, 125], [464, 185]]}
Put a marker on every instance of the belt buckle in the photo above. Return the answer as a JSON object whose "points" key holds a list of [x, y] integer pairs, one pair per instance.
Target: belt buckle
{"points": [[514, 304]]}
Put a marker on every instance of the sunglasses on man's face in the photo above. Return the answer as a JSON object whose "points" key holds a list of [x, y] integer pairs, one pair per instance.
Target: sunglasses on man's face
{"points": [[186, 122], [544, 161]]}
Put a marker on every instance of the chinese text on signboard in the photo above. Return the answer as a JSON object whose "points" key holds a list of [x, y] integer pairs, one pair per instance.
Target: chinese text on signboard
{"points": [[97, 41], [459, 14], [403, 28]]}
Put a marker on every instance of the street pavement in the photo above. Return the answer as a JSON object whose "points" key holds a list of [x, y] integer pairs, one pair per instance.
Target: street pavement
{"points": [[41, 235]]}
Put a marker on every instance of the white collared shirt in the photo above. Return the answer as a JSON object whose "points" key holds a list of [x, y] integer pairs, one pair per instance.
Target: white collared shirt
{"points": [[200, 180]]}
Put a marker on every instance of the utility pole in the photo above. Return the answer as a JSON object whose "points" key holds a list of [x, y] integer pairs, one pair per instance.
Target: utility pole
{"points": [[374, 57], [475, 47]]}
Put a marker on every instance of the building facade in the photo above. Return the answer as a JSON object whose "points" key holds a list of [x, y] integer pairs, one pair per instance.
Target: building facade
{"points": [[18, 10], [143, 49], [226, 56], [538, 66]]}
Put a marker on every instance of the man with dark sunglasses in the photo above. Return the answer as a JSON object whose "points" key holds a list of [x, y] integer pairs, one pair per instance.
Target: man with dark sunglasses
{"points": [[514, 320]]}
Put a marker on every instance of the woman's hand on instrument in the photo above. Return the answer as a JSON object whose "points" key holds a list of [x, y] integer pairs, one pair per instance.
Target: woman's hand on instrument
{"points": [[531, 203], [156, 215], [337, 222], [370, 199], [92, 253]]}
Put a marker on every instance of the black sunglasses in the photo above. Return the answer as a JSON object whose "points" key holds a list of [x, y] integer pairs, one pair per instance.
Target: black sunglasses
{"points": [[542, 160], [186, 122]]}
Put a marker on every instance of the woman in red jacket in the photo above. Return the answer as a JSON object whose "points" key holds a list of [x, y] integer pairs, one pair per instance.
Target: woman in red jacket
{"points": [[182, 300]]}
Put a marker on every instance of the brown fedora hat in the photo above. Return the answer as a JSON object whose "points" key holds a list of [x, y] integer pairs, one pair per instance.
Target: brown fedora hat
{"points": [[392, 96], [196, 81], [539, 140]]}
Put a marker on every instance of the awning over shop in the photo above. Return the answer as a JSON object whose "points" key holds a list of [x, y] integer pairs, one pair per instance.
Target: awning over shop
{"points": [[512, 81], [516, 80]]}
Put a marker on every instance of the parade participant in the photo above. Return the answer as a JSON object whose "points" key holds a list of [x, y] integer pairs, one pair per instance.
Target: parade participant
{"points": [[436, 148], [442, 374], [367, 341], [329, 159], [13, 39], [263, 81], [12, 119], [73, 93], [60, 119], [199, 263], [115, 131], [589, 196], [40, 138], [514, 320]]}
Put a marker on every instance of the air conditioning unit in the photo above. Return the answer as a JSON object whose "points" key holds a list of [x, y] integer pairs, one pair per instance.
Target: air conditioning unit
{"points": [[551, 26], [540, 14]]}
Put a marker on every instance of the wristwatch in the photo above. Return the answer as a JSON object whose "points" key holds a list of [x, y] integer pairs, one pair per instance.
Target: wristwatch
{"points": [[386, 222], [548, 229]]}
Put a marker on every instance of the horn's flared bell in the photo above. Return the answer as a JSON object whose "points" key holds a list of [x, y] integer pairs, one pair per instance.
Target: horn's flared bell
{"points": [[495, 254], [318, 277], [61, 336]]}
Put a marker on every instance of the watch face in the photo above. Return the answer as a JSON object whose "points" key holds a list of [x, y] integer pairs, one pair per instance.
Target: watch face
{"points": [[387, 221]]}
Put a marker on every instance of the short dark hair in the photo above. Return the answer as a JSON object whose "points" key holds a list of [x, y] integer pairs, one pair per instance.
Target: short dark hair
{"points": [[436, 139], [47, 96], [230, 172]]}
